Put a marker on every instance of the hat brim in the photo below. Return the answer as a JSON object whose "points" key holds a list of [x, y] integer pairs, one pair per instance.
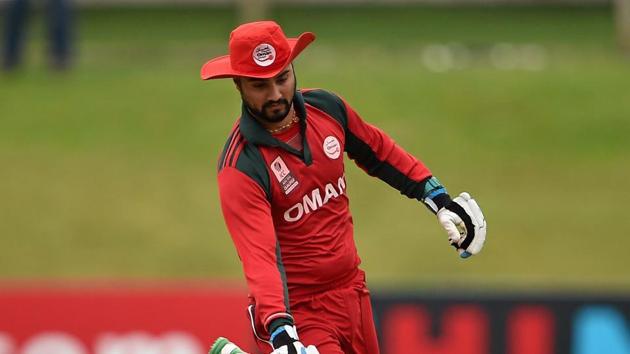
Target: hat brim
{"points": [[220, 67]]}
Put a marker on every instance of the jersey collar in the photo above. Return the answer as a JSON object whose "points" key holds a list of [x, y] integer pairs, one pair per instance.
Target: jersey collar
{"points": [[256, 134]]}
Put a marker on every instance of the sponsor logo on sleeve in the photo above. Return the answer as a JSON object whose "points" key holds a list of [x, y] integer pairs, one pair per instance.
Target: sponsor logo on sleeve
{"points": [[283, 175]]}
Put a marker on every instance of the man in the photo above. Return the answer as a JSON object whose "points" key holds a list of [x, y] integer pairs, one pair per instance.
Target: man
{"points": [[283, 195]]}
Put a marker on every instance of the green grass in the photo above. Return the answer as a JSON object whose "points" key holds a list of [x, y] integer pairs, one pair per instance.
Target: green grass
{"points": [[108, 170]]}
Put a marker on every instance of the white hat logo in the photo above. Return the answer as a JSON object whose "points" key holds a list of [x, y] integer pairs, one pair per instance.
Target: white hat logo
{"points": [[264, 54]]}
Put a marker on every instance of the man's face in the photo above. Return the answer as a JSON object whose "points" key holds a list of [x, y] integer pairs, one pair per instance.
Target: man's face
{"points": [[268, 99]]}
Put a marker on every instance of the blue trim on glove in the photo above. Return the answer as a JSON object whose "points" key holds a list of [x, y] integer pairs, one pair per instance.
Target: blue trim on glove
{"points": [[436, 192]]}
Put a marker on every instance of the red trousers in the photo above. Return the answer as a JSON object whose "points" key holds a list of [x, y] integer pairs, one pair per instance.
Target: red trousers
{"points": [[337, 321]]}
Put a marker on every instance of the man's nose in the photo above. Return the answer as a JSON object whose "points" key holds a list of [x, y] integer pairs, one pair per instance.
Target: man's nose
{"points": [[275, 93]]}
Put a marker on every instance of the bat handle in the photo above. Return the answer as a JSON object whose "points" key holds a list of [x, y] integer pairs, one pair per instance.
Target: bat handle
{"points": [[224, 346]]}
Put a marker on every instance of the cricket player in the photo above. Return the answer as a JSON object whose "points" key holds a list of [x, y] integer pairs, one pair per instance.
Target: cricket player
{"points": [[283, 195]]}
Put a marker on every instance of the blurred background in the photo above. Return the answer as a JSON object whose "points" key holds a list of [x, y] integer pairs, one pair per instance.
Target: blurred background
{"points": [[109, 140]]}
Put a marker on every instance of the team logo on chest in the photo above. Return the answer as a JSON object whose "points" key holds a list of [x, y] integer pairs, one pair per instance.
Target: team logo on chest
{"points": [[332, 148], [283, 175]]}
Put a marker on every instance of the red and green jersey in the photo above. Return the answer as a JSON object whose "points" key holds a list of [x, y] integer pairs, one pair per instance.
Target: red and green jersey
{"points": [[287, 209]]}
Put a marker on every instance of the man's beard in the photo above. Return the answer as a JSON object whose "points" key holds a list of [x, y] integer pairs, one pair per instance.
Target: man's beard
{"points": [[269, 115]]}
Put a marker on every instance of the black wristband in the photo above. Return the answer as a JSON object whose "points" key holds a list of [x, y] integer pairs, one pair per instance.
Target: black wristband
{"points": [[442, 200], [281, 339], [438, 202], [279, 322]]}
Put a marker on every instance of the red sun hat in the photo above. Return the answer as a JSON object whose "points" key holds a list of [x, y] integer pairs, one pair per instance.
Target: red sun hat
{"points": [[257, 49]]}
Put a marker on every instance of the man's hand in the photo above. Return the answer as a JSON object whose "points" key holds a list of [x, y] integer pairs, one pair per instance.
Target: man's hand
{"points": [[465, 225], [286, 341]]}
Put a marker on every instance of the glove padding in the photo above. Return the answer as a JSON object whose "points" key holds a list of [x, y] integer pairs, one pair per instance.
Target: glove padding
{"points": [[465, 225], [285, 340]]}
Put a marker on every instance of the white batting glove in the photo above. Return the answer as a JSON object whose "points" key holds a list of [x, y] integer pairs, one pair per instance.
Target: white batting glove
{"points": [[465, 225], [296, 347], [285, 340]]}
